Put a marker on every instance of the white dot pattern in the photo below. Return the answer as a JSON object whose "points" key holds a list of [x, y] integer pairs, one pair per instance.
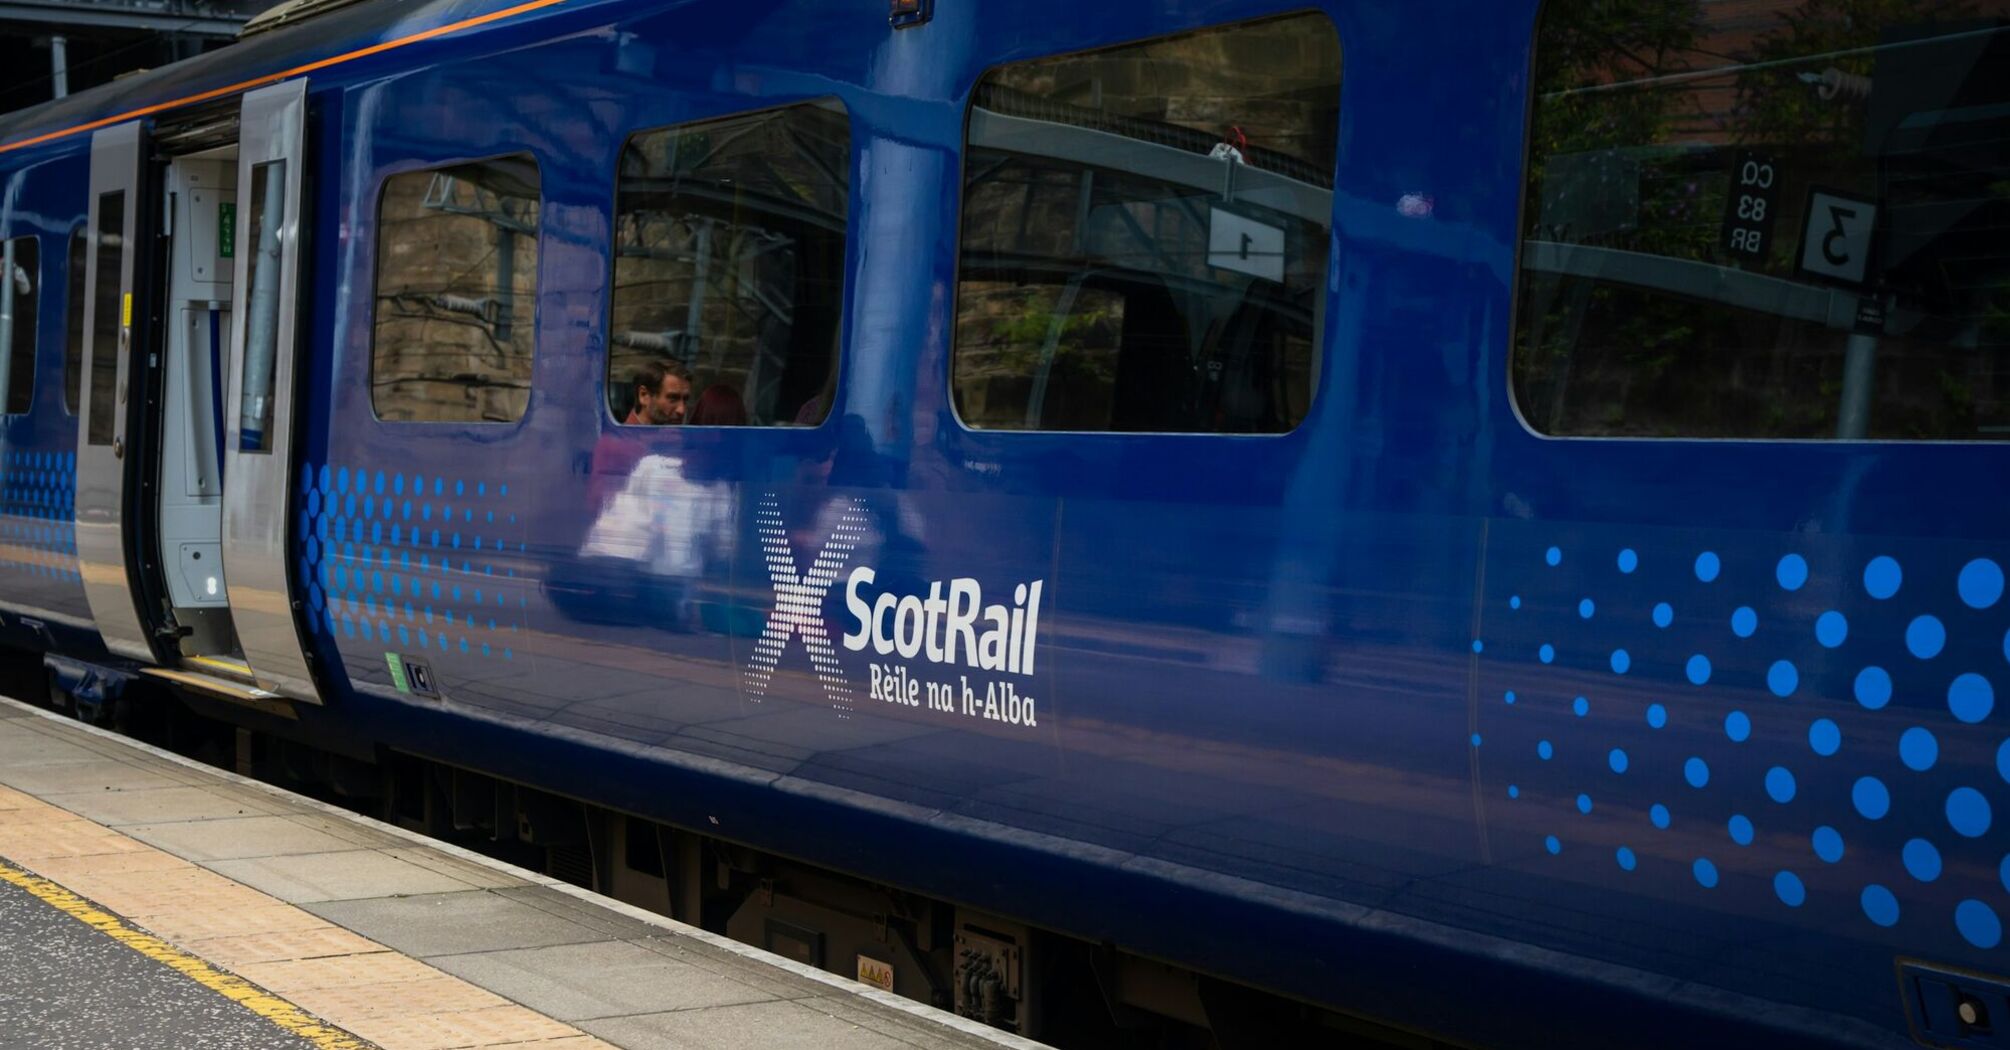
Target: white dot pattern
{"points": [[799, 601]]}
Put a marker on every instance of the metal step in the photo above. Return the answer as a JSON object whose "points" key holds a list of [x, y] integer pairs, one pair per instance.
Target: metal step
{"points": [[227, 688]]}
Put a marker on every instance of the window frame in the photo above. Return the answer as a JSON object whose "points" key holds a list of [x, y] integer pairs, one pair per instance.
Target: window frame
{"points": [[107, 311], [839, 356], [78, 239], [376, 273], [33, 349], [262, 172], [1321, 367]]}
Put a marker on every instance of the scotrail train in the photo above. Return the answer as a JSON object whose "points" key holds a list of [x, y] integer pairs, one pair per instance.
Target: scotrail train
{"points": [[1138, 522]]}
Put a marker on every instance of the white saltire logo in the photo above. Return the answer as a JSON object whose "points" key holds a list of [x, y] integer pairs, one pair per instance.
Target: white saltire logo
{"points": [[929, 646], [799, 599]]}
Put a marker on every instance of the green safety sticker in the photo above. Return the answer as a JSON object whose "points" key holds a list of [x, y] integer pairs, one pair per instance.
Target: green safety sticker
{"points": [[226, 229], [397, 665]]}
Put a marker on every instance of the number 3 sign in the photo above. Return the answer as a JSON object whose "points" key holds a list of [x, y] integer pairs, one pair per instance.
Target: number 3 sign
{"points": [[1836, 239]]}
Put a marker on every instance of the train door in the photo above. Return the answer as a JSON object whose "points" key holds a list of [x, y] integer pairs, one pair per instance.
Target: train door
{"points": [[187, 434], [110, 268], [259, 396]]}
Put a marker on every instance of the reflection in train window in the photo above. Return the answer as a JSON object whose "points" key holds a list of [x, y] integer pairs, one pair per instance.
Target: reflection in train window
{"points": [[728, 270], [20, 295], [456, 292], [1146, 231], [1782, 220], [73, 318]]}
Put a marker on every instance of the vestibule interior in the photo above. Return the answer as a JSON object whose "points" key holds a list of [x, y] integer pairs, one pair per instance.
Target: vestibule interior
{"points": [[200, 207]]}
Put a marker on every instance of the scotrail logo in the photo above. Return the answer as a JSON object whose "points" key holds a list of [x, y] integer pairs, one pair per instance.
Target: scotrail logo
{"points": [[799, 600], [949, 626]]}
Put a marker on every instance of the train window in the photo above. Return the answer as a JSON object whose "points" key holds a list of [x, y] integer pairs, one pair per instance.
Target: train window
{"points": [[20, 295], [1772, 221], [105, 326], [73, 320], [455, 325], [261, 334], [1146, 231], [729, 240]]}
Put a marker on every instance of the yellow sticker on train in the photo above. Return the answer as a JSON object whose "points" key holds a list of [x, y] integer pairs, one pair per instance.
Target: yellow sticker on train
{"points": [[875, 972], [126, 311]]}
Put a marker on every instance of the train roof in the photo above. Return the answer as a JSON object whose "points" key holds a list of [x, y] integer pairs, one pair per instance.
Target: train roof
{"points": [[322, 39]]}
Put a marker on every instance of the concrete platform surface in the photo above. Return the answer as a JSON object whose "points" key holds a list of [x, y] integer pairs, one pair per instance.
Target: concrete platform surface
{"points": [[149, 900]]}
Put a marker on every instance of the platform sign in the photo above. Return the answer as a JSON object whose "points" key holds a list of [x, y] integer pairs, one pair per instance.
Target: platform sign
{"points": [[1245, 245], [1751, 206], [1836, 240]]}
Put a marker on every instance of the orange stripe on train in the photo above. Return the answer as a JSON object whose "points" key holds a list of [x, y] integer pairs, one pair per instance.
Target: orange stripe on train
{"points": [[273, 78]]}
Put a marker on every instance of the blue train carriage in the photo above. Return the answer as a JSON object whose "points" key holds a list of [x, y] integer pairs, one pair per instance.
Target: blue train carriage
{"points": [[1413, 523]]}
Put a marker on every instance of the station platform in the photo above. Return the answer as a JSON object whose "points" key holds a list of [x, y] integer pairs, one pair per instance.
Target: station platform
{"points": [[149, 900]]}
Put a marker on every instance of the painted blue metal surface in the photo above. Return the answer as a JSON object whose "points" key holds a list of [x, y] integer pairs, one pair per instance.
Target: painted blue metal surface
{"points": [[1534, 742], [44, 198]]}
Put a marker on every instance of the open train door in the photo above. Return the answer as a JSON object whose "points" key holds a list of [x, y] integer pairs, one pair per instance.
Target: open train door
{"points": [[259, 395], [111, 261]]}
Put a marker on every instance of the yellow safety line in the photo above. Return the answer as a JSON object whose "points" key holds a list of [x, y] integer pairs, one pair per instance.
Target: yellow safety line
{"points": [[238, 990]]}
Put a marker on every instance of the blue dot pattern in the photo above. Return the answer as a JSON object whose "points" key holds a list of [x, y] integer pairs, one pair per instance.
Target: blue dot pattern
{"points": [[1792, 572], [1879, 905], [1978, 923], [1873, 688], [1840, 679], [1918, 749], [1981, 583], [1698, 669], [1971, 698], [1780, 784], [421, 565], [1882, 577], [1925, 637], [1922, 861], [38, 517]]}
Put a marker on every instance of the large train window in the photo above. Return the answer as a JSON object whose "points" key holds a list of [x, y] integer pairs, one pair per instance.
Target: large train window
{"points": [[729, 240], [455, 325], [73, 319], [1146, 231], [20, 295], [1782, 220]]}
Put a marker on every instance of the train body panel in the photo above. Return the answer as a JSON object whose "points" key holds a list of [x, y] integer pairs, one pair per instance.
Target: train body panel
{"points": [[42, 583], [1408, 710]]}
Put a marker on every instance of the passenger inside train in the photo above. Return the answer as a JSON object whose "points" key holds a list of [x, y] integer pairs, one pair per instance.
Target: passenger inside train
{"points": [[662, 389]]}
